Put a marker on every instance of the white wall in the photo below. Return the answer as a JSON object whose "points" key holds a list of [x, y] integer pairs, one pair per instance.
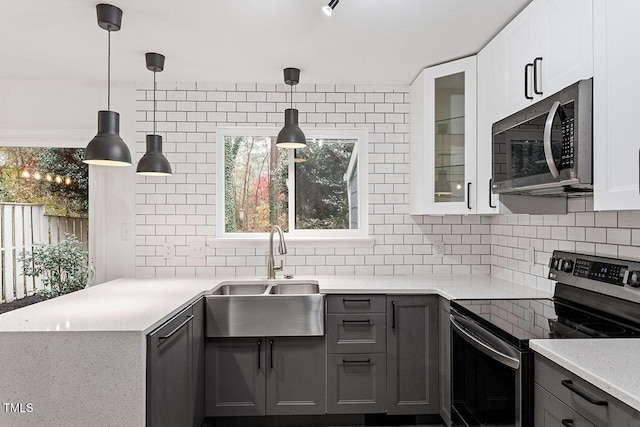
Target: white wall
{"points": [[611, 234], [30, 110], [181, 208]]}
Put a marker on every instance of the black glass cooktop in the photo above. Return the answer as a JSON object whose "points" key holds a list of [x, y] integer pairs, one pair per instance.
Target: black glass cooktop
{"points": [[519, 320]]}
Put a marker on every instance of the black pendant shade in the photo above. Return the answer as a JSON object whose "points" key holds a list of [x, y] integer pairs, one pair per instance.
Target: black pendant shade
{"points": [[107, 148], [291, 136], [154, 163]]}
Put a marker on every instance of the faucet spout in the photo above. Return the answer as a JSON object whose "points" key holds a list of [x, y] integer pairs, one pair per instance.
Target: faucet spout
{"points": [[282, 250]]}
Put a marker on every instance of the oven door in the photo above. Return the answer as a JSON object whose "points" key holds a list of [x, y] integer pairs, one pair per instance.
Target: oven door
{"points": [[491, 381]]}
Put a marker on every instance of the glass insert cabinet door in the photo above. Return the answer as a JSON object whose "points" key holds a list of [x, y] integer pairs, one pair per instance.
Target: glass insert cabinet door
{"points": [[443, 139]]}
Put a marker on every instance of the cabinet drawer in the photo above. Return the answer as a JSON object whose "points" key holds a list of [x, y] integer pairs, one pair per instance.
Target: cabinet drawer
{"points": [[337, 304], [552, 377], [356, 383], [549, 411], [356, 333]]}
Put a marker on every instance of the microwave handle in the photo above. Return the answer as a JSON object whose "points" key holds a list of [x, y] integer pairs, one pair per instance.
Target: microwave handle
{"points": [[548, 153]]}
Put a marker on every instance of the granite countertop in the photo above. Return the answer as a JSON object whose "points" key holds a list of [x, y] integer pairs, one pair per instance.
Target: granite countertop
{"points": [[143, 304], [609, 364]]}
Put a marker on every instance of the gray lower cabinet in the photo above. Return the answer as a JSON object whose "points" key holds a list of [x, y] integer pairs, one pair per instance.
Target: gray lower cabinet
{"points": [[175, 368], [235, 377], [444, 377], [412, 354], [357, 345], [296, 376], [356, 383], [265, 376], [562, 398]]}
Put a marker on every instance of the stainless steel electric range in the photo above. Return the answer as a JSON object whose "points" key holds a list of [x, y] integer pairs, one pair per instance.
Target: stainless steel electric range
{"points": [[492, 365]]}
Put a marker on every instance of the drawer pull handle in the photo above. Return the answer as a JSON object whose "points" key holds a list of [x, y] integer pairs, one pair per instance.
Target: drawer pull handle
{"points": [[569, 384], [357, 322], [567, 422], [346, 301], [357, 362], [170, 334]]}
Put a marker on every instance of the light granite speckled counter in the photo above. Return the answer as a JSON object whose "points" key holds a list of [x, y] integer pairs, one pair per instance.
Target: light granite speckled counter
{"points": [[609, 364], [81, 358]]}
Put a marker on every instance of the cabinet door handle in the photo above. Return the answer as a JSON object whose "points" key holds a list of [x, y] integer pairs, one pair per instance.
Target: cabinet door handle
{"points": [[535, 76], [357, 322], [393, 314], [468, 195], [271, 354], [526, 81], [567, 422], [259, 354], [491, 193], [593, 400], [359, 362], [170, 334]]}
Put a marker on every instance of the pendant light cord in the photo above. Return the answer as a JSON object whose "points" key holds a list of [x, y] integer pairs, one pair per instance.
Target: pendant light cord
{"points": [[154, 102], [109, 72]]}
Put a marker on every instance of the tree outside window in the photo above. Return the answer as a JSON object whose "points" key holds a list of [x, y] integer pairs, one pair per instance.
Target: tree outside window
{"points": [[313, 188]]}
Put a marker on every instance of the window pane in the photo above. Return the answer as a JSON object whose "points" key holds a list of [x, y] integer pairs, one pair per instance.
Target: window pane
{"points": [[255, 184], [326, 185]]}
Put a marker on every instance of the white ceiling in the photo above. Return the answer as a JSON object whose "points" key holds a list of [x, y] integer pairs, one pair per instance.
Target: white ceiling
{"points": [[365, 41]]}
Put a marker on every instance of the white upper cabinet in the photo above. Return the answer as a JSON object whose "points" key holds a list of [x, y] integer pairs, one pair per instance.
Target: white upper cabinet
{"points": [[615, 105], [568, 43], [491, 92], [443, 139], [546, 48]]}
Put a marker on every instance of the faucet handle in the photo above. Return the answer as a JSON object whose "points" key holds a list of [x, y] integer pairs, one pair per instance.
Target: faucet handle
{"points": [[279, 268]]}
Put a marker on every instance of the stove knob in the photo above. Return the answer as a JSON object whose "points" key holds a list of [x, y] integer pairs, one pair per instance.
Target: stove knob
{"points": [[566, 265], [554, 264], [633, 279]]}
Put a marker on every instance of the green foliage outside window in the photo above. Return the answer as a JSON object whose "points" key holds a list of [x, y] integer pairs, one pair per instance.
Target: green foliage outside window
{"points": [[62, 267]]}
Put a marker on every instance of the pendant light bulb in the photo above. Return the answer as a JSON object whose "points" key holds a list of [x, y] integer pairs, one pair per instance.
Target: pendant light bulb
{"points": [[291, 136], [107, 148], [153, 162], [328, 9]]}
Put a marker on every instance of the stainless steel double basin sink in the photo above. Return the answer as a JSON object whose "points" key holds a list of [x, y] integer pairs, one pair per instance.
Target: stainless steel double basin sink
{"points": [[265, 308]]}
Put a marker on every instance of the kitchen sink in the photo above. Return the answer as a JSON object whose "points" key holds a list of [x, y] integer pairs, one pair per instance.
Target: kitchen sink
{"points": [[241, 289], [294, 288], [265, 308]]}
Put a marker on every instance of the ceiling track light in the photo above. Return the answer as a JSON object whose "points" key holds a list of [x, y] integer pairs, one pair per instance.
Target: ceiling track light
{"points": [[328, 9], [107, 148], [154, 163], [291, 136]]}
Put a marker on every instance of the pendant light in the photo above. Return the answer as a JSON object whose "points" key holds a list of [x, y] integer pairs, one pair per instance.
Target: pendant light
{"points": [[107, 148], [154, 163], [291, 136]]}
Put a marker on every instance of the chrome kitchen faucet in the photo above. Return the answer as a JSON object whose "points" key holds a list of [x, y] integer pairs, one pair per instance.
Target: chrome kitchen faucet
{"points": [[282, 250]]}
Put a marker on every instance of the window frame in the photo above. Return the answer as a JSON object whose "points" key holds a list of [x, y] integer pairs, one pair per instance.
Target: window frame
{"points": [[360, 151]]}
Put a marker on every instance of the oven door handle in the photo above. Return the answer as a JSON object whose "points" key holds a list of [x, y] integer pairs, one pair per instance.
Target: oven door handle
{"points": [[548, 152], [504, 359]]}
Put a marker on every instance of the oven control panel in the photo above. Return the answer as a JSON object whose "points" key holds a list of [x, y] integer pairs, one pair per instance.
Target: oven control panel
{"points": [[570, 268], [600, 271]]}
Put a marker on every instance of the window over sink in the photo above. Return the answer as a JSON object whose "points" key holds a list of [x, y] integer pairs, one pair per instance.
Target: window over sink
{"points": [[319, 191]]}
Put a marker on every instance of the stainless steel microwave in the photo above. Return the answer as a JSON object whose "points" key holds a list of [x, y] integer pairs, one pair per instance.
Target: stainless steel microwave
{"points": [[546, 149]]}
